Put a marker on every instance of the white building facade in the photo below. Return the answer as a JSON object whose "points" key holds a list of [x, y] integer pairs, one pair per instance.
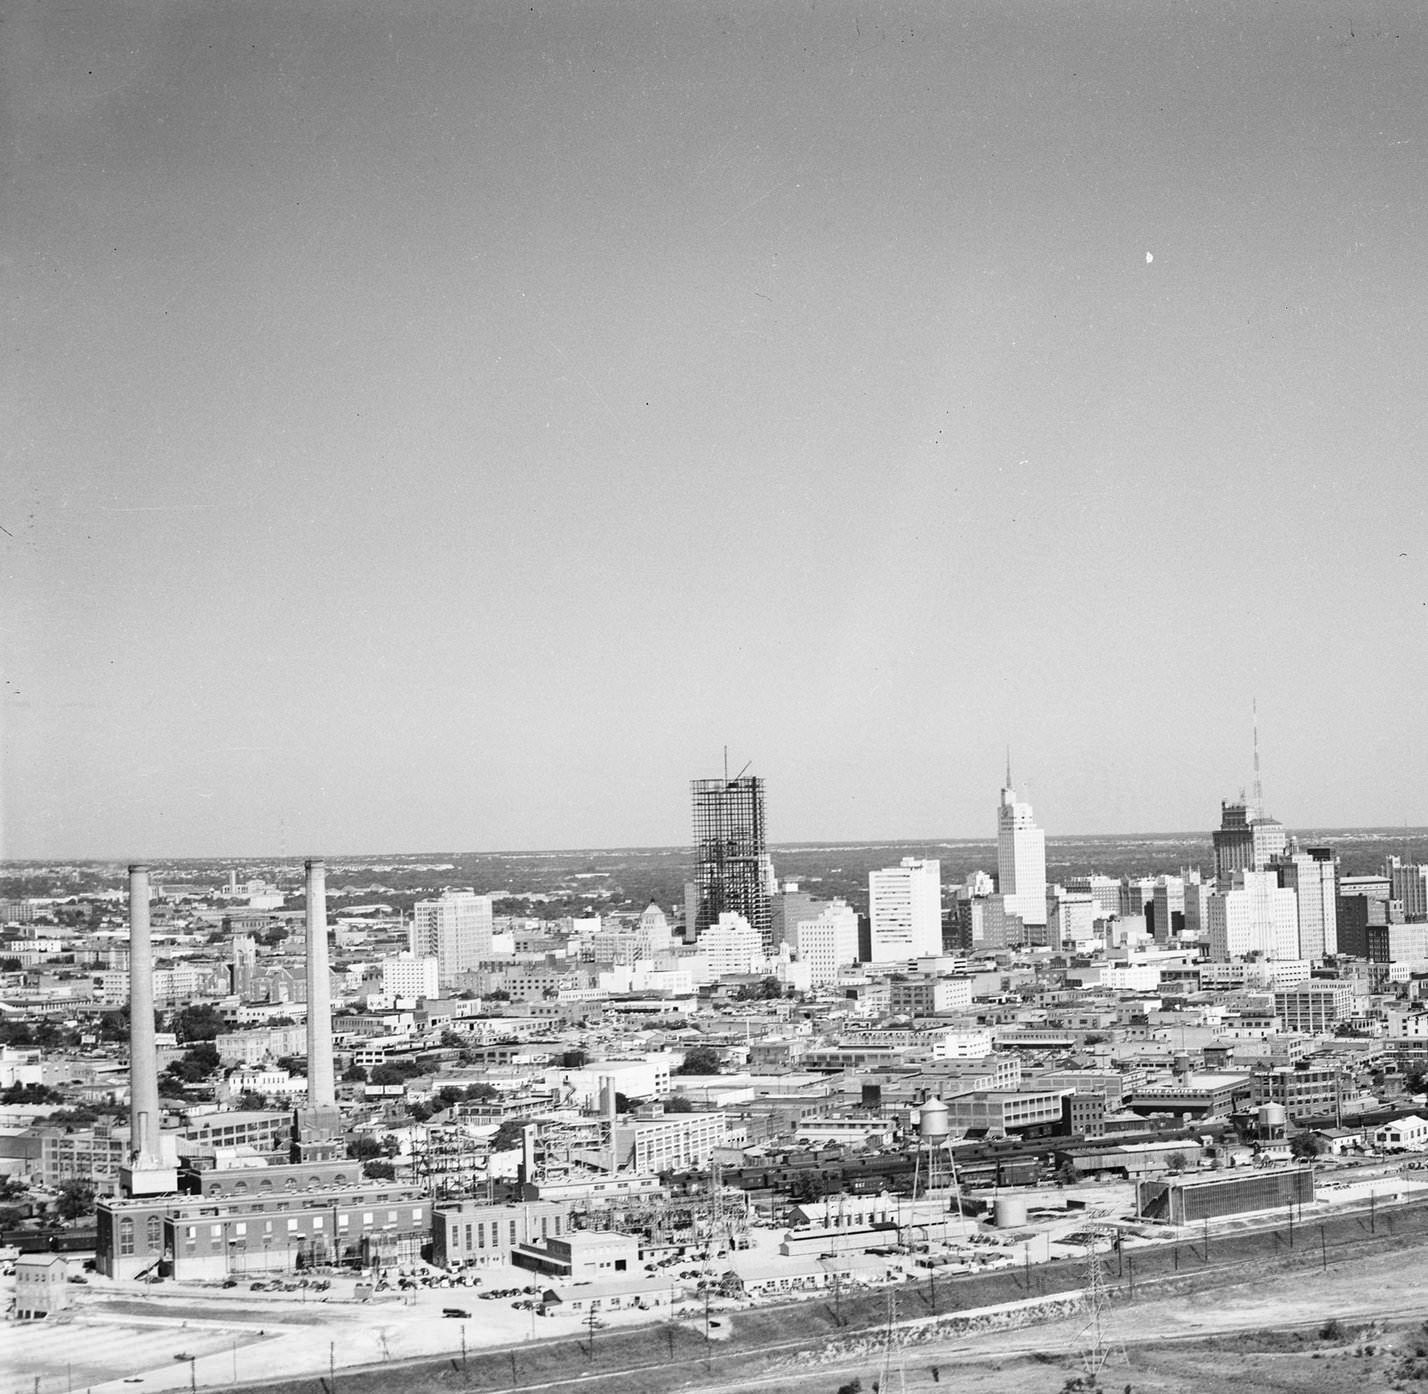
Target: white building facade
{"points": [[905, 909], [456, 929], [1021, 860]]}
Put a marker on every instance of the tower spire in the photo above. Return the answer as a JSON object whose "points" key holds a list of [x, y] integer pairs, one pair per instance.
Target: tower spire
{"points": [[1258, 788], [1009, 783]]}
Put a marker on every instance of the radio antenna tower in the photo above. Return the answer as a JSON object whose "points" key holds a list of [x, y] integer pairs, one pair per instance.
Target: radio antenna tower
{"points": [[1258, 787]]}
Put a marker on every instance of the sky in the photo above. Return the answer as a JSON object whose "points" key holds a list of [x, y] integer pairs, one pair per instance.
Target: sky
{"points": [[451, 426]]}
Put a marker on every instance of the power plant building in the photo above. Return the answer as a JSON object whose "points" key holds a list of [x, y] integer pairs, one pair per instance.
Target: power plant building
{"points": [[179, 1215]]}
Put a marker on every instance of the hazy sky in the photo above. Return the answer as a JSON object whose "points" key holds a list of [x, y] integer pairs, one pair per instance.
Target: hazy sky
{"points": [[447, 426]]}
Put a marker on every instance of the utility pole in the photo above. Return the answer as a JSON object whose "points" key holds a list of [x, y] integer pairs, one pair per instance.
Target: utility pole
{"points": [[463, 1345], [332, 1367], [1323, 1251]]}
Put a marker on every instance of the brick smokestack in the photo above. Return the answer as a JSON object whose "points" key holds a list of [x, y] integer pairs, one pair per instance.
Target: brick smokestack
{"points": [[321, 1088]]}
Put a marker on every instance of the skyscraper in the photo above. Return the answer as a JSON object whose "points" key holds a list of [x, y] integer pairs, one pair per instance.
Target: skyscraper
{"points": [[1255, 914], [1245, 840], [1021, 859], [455, 929], [1313, 877], [905, 910], [732, 871]]}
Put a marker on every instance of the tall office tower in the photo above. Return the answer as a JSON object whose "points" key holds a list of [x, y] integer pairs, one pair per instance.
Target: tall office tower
{"points": [[457, 929], [1254, 915], [732, 871], [827, 940], [1166, 915], [1197, 914], [654, 929], [1106, 889], [787, 907], [1071, 919], [1021, 859], [1313, 877], [905, 910], [1408, 882], [1245, 840]]}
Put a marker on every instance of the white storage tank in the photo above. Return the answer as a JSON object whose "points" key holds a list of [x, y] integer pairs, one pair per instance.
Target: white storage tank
{"points": [[932, 1121], [1009, 1212]]}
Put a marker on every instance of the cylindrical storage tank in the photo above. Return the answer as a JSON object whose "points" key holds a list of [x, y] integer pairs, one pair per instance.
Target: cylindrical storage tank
{"points": [[932, 1121], [1182, 1065], [1272, 1118], [1009, 1212]]}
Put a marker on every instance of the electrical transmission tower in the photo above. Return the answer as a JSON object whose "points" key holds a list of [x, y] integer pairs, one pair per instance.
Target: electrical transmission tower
{"points": [[1098, 1346]]}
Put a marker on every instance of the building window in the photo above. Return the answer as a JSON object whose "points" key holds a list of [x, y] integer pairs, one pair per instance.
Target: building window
{"points": [[126, 1235], [154, 1232]]}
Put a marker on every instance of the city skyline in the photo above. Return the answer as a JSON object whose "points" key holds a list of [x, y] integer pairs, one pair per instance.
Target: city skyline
{"points": [[449, 428]]}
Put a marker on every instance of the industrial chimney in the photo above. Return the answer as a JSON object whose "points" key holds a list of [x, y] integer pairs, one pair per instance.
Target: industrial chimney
{"points": [[321, 1091], [317, 1129], [149, 1169]]}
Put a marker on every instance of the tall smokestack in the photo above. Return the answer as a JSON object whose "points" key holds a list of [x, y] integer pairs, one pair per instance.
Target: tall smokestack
{"points": [[143, 1051], [321, 1089], [607, 1107], [149, 1171]]}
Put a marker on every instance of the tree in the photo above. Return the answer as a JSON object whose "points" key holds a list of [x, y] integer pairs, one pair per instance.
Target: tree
{"points": [[498, 995], [200, 1021], [379, 1171], [76, 1198], [807, 1186], [679, 1103], [1305, 1147], [480, 1093], [355, 1074], [293, 1064], [509, 1134], [701, 1060], [573, 1059], [18, 1093], [364, 1148]]}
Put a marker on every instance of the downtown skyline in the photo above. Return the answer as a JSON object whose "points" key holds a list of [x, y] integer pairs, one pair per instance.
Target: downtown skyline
{"points": [[451, 429]]}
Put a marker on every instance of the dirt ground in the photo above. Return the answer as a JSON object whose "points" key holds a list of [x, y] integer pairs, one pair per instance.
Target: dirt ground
{"points": [[1356, 1326]]}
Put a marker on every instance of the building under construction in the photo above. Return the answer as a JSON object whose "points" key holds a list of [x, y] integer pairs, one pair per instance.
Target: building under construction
{"points": [[732, 871]]}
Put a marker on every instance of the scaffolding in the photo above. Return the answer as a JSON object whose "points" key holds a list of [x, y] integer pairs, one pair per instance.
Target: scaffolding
{"points": [[731, 867]]}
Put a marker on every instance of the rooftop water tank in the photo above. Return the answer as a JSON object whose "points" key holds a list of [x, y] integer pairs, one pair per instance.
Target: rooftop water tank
{"points": [[932, 1121]]}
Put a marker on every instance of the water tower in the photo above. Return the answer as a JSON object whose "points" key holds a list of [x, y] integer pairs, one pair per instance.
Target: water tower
{"points": [[934, 1173]]}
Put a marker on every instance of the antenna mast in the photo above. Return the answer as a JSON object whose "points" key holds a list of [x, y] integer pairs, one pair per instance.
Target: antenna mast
{"points": [[1258, 787]]}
